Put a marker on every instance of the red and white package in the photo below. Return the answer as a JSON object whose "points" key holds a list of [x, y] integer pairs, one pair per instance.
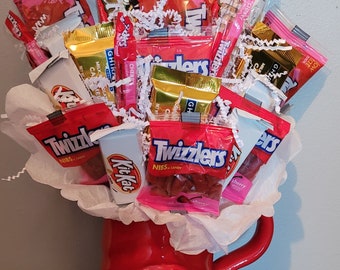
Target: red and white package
{"points": [[270, 139], [17, 27], [38, 13], [311, 61], [108, 10], [194, 14], [66, 138], [186, 166], [228, 33], [150, 15], [178, 52], [125, 62]]}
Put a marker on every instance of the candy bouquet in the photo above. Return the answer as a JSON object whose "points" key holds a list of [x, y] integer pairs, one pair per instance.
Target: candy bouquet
{"points": [[170, 111]]}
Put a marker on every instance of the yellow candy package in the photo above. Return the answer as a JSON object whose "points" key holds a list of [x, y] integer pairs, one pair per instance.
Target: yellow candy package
{"points": [[92, 49]]}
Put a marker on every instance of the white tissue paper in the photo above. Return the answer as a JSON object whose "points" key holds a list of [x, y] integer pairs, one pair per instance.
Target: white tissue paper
{"points": [[190, 233]]}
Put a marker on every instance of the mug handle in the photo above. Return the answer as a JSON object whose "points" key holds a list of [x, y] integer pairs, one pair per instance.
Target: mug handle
{"points": [[252, 250]]}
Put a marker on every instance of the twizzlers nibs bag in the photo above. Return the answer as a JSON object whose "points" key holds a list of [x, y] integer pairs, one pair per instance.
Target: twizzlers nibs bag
{"points": [[186, 167], [67, 137]]}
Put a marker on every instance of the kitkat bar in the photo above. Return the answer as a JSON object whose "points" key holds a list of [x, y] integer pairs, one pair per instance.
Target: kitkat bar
{"points": [[311, 61]]}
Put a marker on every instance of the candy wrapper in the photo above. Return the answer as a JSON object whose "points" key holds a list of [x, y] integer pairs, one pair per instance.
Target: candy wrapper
{"points": [[60, 79], [92, 49], [39, 13], [121, 148], [66, 137], [35, 54]]}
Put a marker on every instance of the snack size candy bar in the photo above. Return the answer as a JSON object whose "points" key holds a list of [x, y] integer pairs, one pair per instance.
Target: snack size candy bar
{"points": [[311, 61], [39, 13], [35, 54], [191, 14], [228, 34], [275, 64], [67, 137], [180, 53], [93, 52], [125, 62], [60, 79], [124, 162], [190, 91]]}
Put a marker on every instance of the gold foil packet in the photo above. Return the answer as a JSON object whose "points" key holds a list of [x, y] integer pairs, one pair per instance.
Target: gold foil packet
{"points": [[176, 91], [276, 64], [92, 49]]}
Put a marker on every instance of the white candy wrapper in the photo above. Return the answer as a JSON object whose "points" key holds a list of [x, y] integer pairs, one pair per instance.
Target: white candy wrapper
{"points": [[190, 233]]}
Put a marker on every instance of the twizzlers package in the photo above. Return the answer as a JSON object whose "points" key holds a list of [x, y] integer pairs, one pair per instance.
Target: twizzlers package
{"points": [[38, 13], [177, 52], [125, 62], [66, 138], [270, 139], [186, 167]]}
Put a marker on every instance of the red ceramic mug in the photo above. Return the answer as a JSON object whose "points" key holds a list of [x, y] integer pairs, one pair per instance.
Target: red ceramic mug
{"points": [[145, 246]]}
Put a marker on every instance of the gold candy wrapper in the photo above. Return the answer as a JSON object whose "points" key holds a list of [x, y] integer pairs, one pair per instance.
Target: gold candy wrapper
{"points": [[276, 64], [176, 91], [92, 49]]}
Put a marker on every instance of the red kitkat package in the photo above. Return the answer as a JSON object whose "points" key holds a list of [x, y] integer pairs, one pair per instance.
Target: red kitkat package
{"points": [[66, 137]]}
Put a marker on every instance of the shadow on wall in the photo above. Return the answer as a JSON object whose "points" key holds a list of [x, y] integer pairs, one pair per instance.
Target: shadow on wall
{"points": [[305, 96], [288, 227]]}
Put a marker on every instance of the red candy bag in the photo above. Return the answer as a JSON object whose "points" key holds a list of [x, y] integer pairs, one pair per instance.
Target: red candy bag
{"points": [[186, 164], [185, 148], [38, 13], [227, 36], [269, 140], [67, 138], [180, 53]]}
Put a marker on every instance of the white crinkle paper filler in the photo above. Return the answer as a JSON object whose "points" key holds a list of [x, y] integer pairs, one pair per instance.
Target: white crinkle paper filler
{"points": [[191, 233]]}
